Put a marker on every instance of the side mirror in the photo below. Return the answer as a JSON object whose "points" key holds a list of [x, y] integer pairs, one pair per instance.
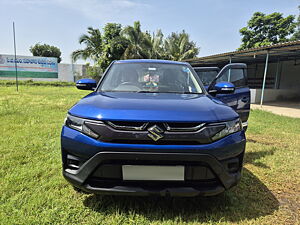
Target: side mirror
{"points": [[223, 88], [86, 84]]}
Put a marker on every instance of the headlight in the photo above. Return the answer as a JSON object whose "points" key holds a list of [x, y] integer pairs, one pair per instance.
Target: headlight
{"points": [[77, 123], [230, 127]]}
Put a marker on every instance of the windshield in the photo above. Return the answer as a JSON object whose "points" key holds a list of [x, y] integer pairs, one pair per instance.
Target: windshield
{"points": [[150, 77], [206, 76]]}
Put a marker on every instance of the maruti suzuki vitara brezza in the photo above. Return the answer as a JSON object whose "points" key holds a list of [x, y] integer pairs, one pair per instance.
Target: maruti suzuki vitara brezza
{"points": [[150, 127]]}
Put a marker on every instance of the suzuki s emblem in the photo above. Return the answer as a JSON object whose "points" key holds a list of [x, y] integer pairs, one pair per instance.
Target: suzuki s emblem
{"points": [[155, 133]]}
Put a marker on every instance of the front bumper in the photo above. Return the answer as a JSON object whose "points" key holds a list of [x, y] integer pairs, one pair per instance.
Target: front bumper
{"points": [[209, 169]]}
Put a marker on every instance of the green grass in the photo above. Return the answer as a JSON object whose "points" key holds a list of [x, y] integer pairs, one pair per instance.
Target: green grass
{"points": [[33, 190]]}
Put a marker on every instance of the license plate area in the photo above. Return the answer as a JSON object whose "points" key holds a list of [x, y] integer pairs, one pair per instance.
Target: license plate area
{"points": [[151, 172]]}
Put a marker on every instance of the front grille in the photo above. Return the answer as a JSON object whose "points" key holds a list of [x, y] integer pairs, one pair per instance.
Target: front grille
{"points": [[112, 170], [128, 125], [160, 133]]}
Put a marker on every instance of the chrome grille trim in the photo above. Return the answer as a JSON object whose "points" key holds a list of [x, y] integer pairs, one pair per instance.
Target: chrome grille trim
{"points": [[182, 129], [119, 127]]}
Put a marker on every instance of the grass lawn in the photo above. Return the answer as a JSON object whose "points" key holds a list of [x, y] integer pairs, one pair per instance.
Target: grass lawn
{"points": [[33, 190]]}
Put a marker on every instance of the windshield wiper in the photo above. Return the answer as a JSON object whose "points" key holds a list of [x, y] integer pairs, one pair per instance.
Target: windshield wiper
{"points": [[188, 92], [171, 92], [148, 92]]}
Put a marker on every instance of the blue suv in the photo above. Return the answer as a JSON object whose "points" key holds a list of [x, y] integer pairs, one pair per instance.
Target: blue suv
{"points": [[150, 127]]}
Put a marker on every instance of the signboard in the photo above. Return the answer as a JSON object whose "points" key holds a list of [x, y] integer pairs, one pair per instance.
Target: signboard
{"points": [[28, 66]]}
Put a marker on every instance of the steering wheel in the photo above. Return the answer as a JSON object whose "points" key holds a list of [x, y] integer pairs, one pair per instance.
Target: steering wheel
{"points": [[128, 86]]}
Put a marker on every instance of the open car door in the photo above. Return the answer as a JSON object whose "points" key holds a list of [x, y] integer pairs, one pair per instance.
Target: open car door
{"points": [[235, 73], [207, 74]]}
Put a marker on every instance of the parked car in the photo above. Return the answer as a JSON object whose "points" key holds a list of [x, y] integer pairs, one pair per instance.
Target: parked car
{"points": [[150, 127], [239, 100]]}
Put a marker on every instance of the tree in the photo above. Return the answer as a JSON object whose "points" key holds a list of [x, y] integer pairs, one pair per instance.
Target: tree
{"points": [[131, 42], [139, 42], [296, 35], [113, 44], [157, 45], [46, 51], [93, 46], [179, 47], [265, 29], [102, 48]]}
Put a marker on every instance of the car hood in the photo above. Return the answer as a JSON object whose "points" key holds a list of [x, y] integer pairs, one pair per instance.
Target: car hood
{"points": [[152, 107]]}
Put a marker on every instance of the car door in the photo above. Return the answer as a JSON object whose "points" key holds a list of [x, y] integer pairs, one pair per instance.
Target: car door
{"points": [[239, 100], [207, 74]]}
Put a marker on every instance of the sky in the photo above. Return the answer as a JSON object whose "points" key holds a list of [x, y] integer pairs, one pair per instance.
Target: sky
{"points": [[213, 24]]}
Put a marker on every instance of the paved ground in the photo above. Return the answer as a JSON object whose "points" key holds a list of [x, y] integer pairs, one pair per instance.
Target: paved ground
{"points": [[291, 109]]}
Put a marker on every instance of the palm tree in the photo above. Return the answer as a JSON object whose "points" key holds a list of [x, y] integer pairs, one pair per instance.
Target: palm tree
{"points": [[178, 47], [139, 43], [157, 45], [93, 49]]}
